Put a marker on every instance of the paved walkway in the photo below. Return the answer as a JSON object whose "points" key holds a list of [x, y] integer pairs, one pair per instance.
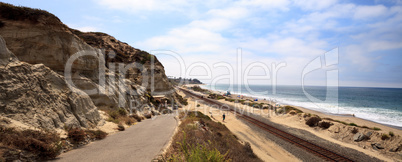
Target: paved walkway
{"points": [[141, 142]]}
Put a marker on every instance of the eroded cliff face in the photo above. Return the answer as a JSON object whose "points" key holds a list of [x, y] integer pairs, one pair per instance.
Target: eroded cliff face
{"points": [[151, 72], [60, 94], [39, 97]]}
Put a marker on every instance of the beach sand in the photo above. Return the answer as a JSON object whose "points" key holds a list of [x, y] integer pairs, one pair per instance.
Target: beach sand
{"points": [[263, 148], [338, 133]]}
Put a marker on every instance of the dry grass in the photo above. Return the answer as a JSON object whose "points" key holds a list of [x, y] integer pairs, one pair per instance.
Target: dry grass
{"points": [[313, 121], [17, 13], [77, 135], [96, 134], [290, 108], [206, 139], [384, 136], [324, 125], [119, 116], [45, 145], [136, 117]]}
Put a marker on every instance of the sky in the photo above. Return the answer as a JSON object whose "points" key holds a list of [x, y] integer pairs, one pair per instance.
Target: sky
{"points": [[282, 42]]}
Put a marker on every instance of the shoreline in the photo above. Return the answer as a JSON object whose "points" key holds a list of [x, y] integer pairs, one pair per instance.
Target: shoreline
{"points": [[340, 132], [304, 109]]}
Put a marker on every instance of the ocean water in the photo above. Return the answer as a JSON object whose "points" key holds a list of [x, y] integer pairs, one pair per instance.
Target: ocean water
{"points": [[382, 105]]}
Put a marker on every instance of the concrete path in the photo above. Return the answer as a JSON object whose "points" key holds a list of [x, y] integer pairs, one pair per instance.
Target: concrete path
{"points": [[141, 142]]}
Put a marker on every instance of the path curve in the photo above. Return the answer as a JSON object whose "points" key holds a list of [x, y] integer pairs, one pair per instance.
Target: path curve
{"points": [[141, 142]]}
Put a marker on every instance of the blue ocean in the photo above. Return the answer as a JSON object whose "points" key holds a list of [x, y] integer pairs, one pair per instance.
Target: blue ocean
{"points": [[382, 105]]}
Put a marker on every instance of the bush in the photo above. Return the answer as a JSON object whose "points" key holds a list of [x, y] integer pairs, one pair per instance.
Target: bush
{"points": [[96, 134], [136, 117], [324, 125], [355, 130], [353, 124], [129, 121], [192, 143], [384, 137], [122, 111], [200, 152], [198, 105], [181, 100], [280, 111], [377, 129], [45, 145], [313, 121], [195, 114], [198, 88], [290, 108], [77, 135], [119, 116], [342, 122], [391, 134], [114, 115]]}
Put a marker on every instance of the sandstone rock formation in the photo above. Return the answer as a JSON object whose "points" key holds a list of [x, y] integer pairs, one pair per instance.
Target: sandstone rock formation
{"points": [[120, 52], [39, 97], [70, 95]]}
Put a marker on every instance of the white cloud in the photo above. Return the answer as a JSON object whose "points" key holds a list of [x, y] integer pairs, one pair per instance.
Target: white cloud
{"points": [[186, 40], [138, 5], [368, 12], [314, 4], [229, 13], [215, 36], [358, 56], [383, 45], [285, 47], [312, 23], [265, 4], [84, 28], [215, 24]]}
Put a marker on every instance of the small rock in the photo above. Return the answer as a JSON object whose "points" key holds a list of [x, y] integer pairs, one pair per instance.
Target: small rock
{"points": [[359, 137], [396, 149], [377, 146], [368, 134]]}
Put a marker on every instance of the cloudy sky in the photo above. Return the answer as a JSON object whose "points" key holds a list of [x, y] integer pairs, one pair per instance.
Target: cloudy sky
{"points": [[287, 42]]}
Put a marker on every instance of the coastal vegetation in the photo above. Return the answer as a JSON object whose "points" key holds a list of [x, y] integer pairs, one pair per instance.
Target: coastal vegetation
{"points": [[181, 81], [120, 116], [391, 134], [77, 135], [201, 139], [198, 89], [19, 13], [40, 145]]}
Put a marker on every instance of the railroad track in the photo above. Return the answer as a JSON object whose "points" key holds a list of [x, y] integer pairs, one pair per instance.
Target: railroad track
{"points": [[319, 151]]}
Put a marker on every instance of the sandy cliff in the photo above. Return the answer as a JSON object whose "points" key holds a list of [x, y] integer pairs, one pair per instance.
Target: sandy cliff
{"points": [[35, 89], [39, 97]]}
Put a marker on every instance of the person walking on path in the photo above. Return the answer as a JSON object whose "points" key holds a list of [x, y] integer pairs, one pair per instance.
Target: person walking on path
{"points": [[223, 116]]}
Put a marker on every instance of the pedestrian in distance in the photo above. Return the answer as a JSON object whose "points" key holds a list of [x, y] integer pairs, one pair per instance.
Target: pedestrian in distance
{"points": [[223, 116]]}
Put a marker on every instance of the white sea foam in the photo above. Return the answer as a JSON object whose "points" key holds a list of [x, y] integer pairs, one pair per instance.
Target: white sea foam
{"points": [[376, 114]]}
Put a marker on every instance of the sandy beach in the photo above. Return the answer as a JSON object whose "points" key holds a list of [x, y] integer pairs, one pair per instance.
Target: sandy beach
{"points": [[266, 150], [338, 133]]}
